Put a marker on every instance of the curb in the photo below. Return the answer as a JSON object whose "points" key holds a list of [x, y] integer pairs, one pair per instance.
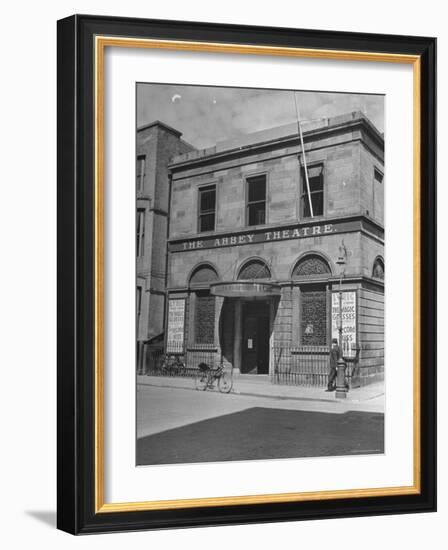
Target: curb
{"points": [[263, 395]]}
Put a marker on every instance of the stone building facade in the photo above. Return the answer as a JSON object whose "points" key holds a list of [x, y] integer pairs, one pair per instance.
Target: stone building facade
{"points": [[156, 144], [254, 270]]}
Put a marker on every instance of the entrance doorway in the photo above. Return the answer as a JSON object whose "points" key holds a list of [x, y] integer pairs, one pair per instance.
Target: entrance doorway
{"points": [[255, 344]]}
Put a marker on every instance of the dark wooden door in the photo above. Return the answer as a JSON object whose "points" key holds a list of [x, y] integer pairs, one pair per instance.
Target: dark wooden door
{"points": [[255, 353]]}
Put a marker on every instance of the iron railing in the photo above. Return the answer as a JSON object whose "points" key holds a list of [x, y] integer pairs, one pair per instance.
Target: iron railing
{"points": [[300, 365], [177, 361], [293, 365]]}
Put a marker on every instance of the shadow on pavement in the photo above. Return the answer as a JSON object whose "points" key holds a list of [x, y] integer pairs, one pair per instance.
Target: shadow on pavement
{"points": [[265, 433]]}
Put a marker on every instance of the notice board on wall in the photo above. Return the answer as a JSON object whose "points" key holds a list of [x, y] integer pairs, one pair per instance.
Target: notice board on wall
{"points": [[349, 339], [176, 326]]}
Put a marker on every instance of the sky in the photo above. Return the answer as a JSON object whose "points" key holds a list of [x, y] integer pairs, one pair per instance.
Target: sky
{"points": [[206, 115]]}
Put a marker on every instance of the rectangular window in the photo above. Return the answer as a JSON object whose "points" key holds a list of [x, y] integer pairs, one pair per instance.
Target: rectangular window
{"points": [[377, 195], [140, 171], [207, 208], [256, 200], [139, 303], [140, 232], [313, 321], [204, 318], [316, 183], [378, 176]]}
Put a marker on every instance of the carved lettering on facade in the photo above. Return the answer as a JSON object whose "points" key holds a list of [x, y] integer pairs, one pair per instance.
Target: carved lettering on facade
{"points": [[278, 235]]}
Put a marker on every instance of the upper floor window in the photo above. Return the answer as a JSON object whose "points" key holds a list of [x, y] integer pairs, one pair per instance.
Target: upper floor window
{"points": [[378, 269], [378, 176], [140, 231], [316, 193], [207, 208], [140, 171], [139, 302], [256, 200]]}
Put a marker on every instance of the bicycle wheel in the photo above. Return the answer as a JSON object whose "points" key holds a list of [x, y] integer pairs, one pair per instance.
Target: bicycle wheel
{"points": [[173, 368], [181, 369], [163, 368], [201, 381], [225, 383]]}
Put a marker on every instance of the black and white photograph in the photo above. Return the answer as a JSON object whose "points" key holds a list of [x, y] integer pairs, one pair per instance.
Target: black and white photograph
{"points": [[202, 347], [259, 219]]}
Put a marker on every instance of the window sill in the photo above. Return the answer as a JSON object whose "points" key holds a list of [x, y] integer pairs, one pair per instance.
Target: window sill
{"points": [[309, 350], [202, 347]]}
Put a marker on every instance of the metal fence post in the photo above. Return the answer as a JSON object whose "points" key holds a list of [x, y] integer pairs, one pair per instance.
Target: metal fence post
{"points": [[341, 387]]}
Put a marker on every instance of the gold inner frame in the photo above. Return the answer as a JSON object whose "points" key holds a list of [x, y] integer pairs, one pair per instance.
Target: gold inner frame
{"points": [[101, 42]]}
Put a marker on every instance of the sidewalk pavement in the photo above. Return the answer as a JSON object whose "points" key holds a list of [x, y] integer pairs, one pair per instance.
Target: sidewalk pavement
{"points": [[261, 386]]}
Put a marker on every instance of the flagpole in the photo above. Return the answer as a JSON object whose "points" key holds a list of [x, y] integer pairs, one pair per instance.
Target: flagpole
{"points": [[303, 155]]}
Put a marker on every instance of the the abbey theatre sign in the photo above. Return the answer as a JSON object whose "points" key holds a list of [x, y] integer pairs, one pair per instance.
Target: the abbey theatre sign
{"points": [[298, 231]]}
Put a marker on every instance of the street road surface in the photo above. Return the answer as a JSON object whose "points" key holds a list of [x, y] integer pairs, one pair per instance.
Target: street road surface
{"points": [[186, 426]]}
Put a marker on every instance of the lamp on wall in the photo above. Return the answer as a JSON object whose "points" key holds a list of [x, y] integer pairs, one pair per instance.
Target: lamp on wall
{"points": [[341, 389], [341, 261], [342, 258]]}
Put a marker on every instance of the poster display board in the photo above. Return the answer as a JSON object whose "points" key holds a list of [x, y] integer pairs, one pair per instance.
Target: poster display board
{"points": [[176, 326], [349, 339]]}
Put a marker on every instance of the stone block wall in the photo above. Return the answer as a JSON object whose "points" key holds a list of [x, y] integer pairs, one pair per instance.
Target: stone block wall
{"points": [[283, 174], [283, 320], [281, 256], [348, 156], [370, 249], [372, 191], [158, 143], [371, 335], [226, 331]]}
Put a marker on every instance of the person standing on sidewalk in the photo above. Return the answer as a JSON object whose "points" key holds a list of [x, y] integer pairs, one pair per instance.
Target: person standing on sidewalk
{"points": [[334, 356]]}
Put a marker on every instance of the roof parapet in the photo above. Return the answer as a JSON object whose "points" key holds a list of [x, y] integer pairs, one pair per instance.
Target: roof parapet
{"points": [[276, 133], [162, 125]]}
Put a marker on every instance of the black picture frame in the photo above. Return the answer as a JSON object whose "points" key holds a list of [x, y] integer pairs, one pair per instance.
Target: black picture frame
{"points": [[76, 479]]}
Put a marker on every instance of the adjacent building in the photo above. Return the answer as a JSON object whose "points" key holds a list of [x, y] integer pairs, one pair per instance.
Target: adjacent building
{"points": [[156, 144], [257, 253]]}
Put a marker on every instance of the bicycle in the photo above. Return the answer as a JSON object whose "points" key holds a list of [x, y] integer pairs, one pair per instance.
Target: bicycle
{"points": [[172, 365], [206, 377]]}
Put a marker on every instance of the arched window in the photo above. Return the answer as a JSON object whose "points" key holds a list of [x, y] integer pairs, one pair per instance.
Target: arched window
{"points": [[378, 269], [202, 275], [255, 269], [314, 299], [311, 265], [203, 304]]}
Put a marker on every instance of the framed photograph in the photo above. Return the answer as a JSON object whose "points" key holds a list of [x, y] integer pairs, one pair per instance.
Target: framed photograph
{"points": [[246, 274]]}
